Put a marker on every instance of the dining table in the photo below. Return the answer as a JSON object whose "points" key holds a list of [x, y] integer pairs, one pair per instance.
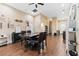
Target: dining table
{"points": [[30, 38]]}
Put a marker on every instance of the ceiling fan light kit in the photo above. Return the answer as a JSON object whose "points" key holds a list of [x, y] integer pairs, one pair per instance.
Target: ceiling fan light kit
{"points": [[35, 10], [36, 6]]}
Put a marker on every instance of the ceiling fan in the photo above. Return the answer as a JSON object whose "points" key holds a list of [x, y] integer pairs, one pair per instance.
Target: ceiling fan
{"points": [[36, 4]]}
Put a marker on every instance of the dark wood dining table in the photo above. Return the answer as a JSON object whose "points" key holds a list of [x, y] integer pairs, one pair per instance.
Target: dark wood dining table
{"points": [[30, 38], [32, 35]]}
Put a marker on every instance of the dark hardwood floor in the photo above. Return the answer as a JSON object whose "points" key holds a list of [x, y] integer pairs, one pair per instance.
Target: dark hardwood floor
{"points": [[55, 47]]}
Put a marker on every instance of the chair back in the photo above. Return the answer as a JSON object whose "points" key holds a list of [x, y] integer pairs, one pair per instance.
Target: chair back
{"points": [[45, 35], [42, 36], [29, 31], [64, 35], [23, 32]]}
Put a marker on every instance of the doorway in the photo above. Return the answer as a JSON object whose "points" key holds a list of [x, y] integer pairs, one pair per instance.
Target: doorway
{"points": [[50, 27]]}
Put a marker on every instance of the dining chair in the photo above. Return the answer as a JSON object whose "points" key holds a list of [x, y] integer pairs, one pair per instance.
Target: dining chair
{"points": [[45, 38], [38, 43], [23, 37]]}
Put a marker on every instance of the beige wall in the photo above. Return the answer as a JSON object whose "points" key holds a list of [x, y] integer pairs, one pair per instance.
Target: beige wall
{"points": [[8, 15], [30, 19], [36, 21], [45, 22], [54, 24], [39, 23]]}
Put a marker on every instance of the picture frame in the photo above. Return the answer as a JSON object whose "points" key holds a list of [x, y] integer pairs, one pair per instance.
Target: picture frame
{"points": [[10, 25]]}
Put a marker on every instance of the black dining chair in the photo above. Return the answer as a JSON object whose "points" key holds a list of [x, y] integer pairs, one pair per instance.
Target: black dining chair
{"points": [[38, 43], [23, 37], [73, 53], [30, 41], [45, 38], [28, 32], [42, 38], [64, 36]]}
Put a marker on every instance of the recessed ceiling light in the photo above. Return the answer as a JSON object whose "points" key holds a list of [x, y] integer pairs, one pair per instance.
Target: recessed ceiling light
{"points": [[62, 5], [62, 12]]}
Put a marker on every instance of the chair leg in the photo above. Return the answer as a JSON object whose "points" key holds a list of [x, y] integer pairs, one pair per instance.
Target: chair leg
{"points": [[46, 43], [21, 42], [41, 48], [25, 46], [38, 49]]}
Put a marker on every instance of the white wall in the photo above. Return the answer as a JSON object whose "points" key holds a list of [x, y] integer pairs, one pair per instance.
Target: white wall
{"points": [[62, 25], [77, 29], [58, 25]]}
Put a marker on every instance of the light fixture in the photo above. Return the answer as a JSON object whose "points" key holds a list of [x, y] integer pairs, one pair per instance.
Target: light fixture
{"points": [[42, 25], [35, 10], [36, 6], [62, 12], [62, 5], [50, 19]]}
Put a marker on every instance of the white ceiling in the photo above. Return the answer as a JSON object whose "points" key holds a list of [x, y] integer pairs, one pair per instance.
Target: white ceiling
{"points": [[48, 9]]}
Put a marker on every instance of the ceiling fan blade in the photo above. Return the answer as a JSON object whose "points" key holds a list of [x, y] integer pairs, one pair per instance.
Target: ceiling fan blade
{"points": [[41, 3], [36, 5], [30, 3]]}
